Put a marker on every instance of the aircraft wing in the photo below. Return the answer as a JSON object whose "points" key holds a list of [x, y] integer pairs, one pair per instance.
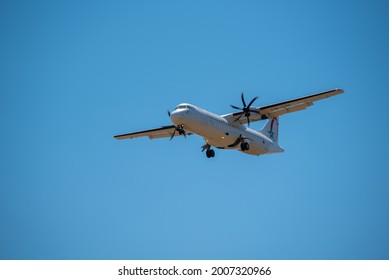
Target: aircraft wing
{"points": [[282, 108], [164, 131]]}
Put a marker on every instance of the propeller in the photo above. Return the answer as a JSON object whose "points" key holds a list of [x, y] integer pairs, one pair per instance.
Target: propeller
{"points": [[180, 131], [246, 110]]}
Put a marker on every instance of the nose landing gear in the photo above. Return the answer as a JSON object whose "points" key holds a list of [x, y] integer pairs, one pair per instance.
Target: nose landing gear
{"points": [[210, 152]]}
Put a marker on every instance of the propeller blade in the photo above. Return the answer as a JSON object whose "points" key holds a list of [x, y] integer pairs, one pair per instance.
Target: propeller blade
{"points": [[244, 103], [235, 107], [168, 112], [172, 135], [248, 121], [252, 101], [237, 119]]}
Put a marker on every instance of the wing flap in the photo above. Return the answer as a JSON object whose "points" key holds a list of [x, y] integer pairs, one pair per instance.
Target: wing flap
{"points": [[288, 109], [165, 131], [295, 105]]}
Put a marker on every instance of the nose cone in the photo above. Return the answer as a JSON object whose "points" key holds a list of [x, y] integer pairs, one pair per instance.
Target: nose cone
{"points": [[177, 116], [180, 114]]}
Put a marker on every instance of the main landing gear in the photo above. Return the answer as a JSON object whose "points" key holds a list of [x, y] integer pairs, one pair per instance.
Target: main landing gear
{"points": [[210, 153], [244, 146]]}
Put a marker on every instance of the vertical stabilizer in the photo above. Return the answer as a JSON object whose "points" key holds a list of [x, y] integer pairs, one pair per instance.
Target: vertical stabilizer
{"points": [[271, 129]]}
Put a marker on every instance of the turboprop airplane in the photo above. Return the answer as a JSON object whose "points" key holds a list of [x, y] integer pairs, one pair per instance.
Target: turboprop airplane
{"points": [[229, 131]]}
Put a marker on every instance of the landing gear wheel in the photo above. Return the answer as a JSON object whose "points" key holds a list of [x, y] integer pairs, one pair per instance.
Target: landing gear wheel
{"points": [[210, 153], [245, 146]]}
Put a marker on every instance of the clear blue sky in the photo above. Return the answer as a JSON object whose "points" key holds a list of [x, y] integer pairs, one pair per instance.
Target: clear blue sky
{"points": [[75, 73]]}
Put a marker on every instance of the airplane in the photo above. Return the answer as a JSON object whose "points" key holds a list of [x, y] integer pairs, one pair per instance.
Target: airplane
{"points": [[229, 131]]}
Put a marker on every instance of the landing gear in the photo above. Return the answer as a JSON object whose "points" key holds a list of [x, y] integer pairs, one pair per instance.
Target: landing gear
{"points": [[209, 153], [244, 146]]}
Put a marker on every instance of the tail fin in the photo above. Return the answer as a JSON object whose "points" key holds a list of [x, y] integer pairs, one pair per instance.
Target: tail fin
{"points": [[271, 129]]}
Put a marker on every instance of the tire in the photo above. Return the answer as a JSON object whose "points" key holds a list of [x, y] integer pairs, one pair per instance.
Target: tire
{"points": [[210, 153], [244, 146]]}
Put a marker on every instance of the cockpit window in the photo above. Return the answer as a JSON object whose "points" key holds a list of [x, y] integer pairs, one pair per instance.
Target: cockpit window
{"points": [[183, 107]]}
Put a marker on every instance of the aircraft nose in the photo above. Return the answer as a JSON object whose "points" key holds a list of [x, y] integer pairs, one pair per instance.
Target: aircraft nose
{"points": [[177, 117], [174, 116]]}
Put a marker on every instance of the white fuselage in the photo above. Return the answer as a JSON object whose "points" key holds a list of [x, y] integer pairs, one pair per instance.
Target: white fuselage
{"points": [[219, 132]]}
